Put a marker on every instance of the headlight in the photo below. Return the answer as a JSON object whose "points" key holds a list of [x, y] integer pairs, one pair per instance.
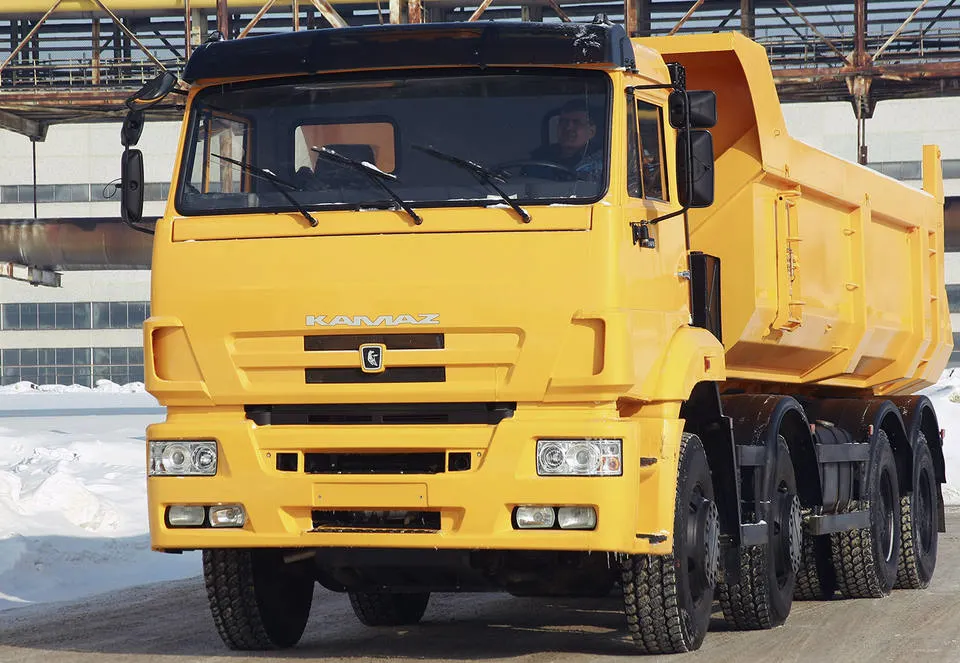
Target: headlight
{"points": [[584, 457], [183, 458]]}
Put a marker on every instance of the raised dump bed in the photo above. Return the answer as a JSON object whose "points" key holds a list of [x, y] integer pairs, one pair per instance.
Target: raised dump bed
{"points": [[832, 272]]}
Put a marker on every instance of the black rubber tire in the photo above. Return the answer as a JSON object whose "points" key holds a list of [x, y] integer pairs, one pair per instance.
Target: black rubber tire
{"points": [[257, 601], [763, 597], [816, 579], [385, 609], [918, 523], [667, 602], [865, 560]]}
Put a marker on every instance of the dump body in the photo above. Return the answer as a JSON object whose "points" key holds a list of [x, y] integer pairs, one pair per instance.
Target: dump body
{"points": [[832, 272]]}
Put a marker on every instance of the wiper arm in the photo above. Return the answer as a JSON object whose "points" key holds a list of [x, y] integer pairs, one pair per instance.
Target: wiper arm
{"points": [[278, 183], [376, 176], [483, 174]]}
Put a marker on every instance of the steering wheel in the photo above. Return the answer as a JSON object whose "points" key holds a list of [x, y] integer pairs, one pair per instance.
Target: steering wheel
{"points": [[559, 171]]}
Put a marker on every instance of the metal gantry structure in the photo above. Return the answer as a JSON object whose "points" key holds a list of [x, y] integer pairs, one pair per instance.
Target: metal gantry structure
{"points": [[76, 60]]}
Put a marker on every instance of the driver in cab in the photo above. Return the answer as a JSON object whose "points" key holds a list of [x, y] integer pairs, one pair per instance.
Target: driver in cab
{"points": [[575, 149]]}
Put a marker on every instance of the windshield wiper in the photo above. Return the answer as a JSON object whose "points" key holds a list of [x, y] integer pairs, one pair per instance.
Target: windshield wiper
{"points": [[375, 174], [278, 184], [483, 174]]}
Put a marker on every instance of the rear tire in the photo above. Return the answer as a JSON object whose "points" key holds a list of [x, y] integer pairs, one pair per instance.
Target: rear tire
{"points": [[866, 559], [668, 598], [918, 523], [385, 609], [816, 579], [763, 597], [257, 601]]}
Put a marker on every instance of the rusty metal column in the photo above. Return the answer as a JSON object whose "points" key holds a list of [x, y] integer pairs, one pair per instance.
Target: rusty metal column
{"points": [[223, 19], [748, 20], [415, 11], [187, 30], [861, 83], [95, 54]]}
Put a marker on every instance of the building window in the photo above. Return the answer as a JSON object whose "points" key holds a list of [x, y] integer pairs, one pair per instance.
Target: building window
{"points": [[68, 366], [74, 315]]}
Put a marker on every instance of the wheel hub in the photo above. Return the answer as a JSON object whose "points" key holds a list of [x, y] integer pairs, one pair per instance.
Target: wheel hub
{"points": [[708, 521], [795, 542]]}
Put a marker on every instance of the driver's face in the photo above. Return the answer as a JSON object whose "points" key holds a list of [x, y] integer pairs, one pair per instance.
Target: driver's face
{"points": [[574, 130]]}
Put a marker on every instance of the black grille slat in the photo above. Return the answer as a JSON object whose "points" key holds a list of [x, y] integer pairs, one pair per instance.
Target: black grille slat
{"points": [[377, 521], [374, 463], [412, 414], [347, 342], [396, 374]]}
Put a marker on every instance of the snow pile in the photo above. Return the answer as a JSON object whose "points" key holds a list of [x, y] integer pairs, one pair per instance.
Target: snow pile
{"points": [[73, 508], [946, 401]]}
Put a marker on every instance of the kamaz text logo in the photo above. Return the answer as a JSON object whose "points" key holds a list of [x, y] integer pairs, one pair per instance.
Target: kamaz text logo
{"points": [[366, 321]]}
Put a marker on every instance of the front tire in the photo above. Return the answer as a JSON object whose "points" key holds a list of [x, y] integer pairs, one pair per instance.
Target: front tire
{"points": [[668, 598], [918, 523], [385, 609], [258, 602]]}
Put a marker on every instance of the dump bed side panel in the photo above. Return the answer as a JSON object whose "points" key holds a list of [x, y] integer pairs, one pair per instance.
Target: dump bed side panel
{"points": [[832, 273]]}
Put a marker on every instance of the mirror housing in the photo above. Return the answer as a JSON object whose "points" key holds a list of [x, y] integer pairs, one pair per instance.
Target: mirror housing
{"points": [[131, 186], [695, 176], [703, 109], [132, 128], [153, 92]]}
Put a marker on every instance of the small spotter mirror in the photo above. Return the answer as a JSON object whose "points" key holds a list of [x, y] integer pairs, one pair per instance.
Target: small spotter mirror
{"points": [[703, 109], [153, 92], [132, 128]]}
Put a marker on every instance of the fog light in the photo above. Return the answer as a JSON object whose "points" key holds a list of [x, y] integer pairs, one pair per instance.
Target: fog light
{"points": [[227, 515], [535, 517], [185, 515], [577, 517]]}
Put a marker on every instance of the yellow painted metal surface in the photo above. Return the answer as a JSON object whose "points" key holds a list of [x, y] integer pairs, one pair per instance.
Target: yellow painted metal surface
{"points": [[475, 505], [832, 272]]}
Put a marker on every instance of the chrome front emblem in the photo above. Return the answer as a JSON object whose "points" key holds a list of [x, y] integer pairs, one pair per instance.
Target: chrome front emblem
{"points": [[371, 357]]}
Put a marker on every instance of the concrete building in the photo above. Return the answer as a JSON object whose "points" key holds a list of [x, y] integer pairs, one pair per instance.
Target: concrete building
{"points": [[90, 328]]}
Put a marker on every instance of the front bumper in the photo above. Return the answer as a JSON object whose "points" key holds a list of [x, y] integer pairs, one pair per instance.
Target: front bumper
{"points": [[635, 511]]}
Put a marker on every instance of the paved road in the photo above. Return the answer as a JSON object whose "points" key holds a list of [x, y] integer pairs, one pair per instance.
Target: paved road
{"points": [[170, 623]]}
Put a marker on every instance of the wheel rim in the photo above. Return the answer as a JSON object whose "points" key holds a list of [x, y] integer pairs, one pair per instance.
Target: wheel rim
{"points": [[701, 547], [924, 511], [887, 523], [787, 536]]}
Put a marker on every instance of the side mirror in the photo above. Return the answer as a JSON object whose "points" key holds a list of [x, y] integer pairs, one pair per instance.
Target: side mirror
{"points": [[132, 128], [131, 186], [153, 92], [695, 177], [703, 109]]}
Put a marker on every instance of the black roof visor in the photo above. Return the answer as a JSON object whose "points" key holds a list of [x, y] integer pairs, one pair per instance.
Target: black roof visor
{"points": [[416, 45]]}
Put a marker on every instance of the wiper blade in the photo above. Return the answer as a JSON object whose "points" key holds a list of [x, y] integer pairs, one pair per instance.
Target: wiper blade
{"points": [[376, 176], [278, 183], [483, 174]]}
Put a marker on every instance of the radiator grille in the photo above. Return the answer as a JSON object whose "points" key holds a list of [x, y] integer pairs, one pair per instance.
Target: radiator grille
{"points": [[395, 374], [346, 342], [374, 463]]}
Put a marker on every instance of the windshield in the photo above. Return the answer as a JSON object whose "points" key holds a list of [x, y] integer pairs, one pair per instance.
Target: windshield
{"points": [[541, 134]]}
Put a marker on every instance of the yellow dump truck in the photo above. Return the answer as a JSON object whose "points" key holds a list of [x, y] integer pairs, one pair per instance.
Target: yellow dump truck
{"points": [[539, 309]]}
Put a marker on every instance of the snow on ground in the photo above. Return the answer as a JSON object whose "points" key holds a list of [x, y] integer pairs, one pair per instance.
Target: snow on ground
{"points": [[73, 505]]}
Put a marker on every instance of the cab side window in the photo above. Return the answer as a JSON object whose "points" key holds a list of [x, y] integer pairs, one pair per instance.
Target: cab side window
{"points": [[646, 172]]}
